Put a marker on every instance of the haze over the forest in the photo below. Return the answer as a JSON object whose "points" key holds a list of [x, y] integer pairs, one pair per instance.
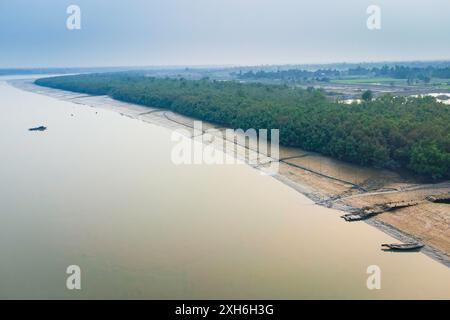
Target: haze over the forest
{"points": [[218, 32]]}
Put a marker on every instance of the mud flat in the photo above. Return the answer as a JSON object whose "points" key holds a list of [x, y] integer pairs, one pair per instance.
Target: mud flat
{"points": [[410, 216]]}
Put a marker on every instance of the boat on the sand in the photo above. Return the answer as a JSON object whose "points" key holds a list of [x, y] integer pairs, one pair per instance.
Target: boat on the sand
{"points": [[402, 246]]}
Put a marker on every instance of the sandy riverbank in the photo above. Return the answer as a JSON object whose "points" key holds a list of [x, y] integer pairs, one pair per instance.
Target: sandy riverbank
{"points": [[328, 182]]}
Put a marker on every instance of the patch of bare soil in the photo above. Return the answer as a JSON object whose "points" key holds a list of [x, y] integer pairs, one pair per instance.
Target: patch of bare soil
{"points": [[428, 222]]}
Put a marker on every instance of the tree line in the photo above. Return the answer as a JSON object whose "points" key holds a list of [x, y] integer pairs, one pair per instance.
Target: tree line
{"points": [[398, 72], [387, 132]]}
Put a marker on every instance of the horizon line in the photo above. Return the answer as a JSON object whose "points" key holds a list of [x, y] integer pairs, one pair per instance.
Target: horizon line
{"points": [[199, 66]]}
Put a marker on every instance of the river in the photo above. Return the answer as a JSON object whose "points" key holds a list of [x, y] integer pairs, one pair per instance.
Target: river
{"points": [[100, 191]]}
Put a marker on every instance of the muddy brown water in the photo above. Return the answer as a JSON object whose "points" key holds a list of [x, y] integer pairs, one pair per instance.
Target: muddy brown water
{"points": [[100, 191]]}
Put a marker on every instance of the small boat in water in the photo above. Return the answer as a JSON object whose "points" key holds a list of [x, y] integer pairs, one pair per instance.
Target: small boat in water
{"points": [[41, 128], [402, 246]]}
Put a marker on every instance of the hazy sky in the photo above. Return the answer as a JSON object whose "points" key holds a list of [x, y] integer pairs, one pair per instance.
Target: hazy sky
{"points": [[33, 33]]}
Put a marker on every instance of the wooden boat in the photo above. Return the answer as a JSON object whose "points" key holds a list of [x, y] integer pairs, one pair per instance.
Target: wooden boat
{"points": [[441, 198], [368, 212], [402, 246], [352, 217], [41, 128]]}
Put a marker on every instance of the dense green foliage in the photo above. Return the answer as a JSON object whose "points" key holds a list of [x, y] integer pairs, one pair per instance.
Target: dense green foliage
{"points": [[390, 132], [367, 95]]}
